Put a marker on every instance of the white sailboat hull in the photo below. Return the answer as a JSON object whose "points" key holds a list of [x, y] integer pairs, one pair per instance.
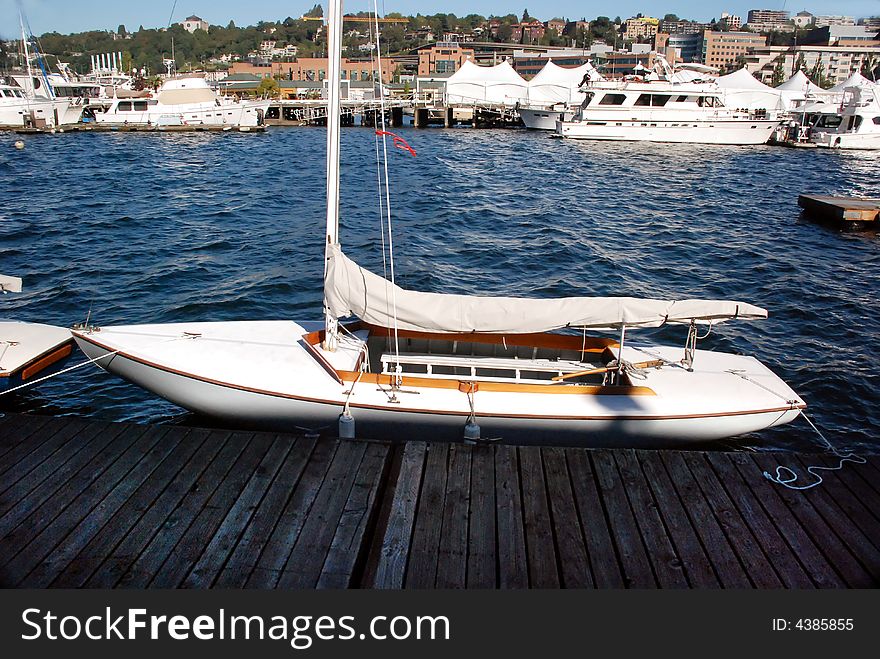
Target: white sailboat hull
{"points": [[694, 131], [262, 374]]}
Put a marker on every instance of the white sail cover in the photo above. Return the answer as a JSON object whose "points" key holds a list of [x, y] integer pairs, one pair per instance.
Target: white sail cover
{"points": [[10, 284], [350, 290], [556, 84], [499, 85]]}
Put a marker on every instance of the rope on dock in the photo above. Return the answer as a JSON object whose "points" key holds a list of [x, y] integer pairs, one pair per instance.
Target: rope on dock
{"points": [[791, 476]]}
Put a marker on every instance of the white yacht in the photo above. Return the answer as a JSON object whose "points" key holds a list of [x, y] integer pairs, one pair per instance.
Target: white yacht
{"points": [[183, 101], [18, 111], [856, 125], [662, 111]]}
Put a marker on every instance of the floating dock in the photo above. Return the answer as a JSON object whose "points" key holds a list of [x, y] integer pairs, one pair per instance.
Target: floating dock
{"points": [[92, 504], [849, 211]]}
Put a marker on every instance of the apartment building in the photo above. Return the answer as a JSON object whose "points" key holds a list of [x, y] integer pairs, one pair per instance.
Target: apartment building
{"points": [[721, 49]]}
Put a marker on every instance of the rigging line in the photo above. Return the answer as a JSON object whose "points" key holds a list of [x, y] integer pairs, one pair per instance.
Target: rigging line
{"points": [[387, 191]]}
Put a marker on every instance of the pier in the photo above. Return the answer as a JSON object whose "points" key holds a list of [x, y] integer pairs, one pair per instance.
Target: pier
{"points": [[854, 212], [87, 503]]}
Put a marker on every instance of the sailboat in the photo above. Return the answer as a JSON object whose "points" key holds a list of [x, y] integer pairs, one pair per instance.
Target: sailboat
{"points": [[422, 364]]}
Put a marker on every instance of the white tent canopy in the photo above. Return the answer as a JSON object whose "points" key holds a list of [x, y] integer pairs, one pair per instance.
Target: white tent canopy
{"points": [[799, 82], [10, 284], [800, 90], [498, 84], [742, 90], [855, 80], [557, 84], [350, 290]]}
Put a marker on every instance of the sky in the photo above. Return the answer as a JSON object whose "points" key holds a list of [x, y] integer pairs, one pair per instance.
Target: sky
{"points": [[67, 16]]}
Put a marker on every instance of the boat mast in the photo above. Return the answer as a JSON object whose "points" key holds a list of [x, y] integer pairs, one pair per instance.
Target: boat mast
{"points": [[334, 56], [27, 59]]}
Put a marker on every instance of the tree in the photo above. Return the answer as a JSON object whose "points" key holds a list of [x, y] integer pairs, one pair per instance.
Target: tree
{"points": [[121, 30], [871, 67], [526, 18], [671, 18], [818, 75], [800, 63], [268, 87], [230, 25], [778, 72], [315, 12]]}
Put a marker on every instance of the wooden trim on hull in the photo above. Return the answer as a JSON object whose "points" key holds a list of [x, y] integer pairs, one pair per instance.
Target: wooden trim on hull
{"points": [[340, 404], [41, 361]]}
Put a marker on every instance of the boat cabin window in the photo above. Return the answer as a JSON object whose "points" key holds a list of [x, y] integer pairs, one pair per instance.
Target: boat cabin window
{"points": [[653, 100], [140, 106], [681, 99], [829, 121], [612, 99], [124, 106], [588, 98], [855, 123], [7, 92], [876, 120], [709, 102]]}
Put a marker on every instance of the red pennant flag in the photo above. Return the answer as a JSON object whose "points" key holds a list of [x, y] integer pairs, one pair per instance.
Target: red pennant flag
{"points": [[399, 142]]}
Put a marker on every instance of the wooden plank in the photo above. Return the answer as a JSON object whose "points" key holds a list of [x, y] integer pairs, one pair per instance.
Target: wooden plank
{"points": [[195, 480], [725, 561], [634, 561], [513, 568], [35, 431], [664, 557], [421, 572], [143, 567], [277, 550], [129, 514], [802, 546], [36, 512], [597, 537], [37, 539], [863, 504], [574, 567], [218, 550], [191, 545], [777, 550], [19, 429], [350, 542], [870, 472], [103, 508], [697, 566], [802, 505], [540, 545], [394, 552], [452, 555], [303, 567], [244, 558], [757, 564], [481, 541]]}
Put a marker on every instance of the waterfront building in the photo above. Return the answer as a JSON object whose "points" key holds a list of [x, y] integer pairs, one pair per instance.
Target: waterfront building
{"points": [[803, 19], [842, 35], [769, 20], [730, 21], [311, 68], [722, 49], [825, 21], [194, 23], [838, 62], [640, 27], [686, 47], [871, 23], [682, 27], [556, 25], [443, 58]]}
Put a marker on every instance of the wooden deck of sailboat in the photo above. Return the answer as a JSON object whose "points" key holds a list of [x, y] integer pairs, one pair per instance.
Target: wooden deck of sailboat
{"points": [[86, 503]]}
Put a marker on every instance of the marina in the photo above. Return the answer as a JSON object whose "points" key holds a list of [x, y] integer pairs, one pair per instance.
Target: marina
{"points": [[91, 504]]}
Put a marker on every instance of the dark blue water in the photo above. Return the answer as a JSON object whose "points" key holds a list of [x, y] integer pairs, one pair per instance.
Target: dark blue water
{"points": [[176, 227]]}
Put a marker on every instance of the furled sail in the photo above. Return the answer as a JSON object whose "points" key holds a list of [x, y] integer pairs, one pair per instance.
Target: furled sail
{"points": [[350, 290]]}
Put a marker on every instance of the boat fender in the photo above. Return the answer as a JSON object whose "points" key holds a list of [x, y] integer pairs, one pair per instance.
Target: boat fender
{"points": [[471, 432], [19, 144], [346, 426]]}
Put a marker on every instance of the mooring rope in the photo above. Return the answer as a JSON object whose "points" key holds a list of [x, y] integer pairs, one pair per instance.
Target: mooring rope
{"points": [[792, 476]]}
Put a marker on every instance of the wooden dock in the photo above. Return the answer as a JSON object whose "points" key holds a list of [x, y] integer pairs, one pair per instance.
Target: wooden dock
{"points": [[855, 212], [92, 504]]}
